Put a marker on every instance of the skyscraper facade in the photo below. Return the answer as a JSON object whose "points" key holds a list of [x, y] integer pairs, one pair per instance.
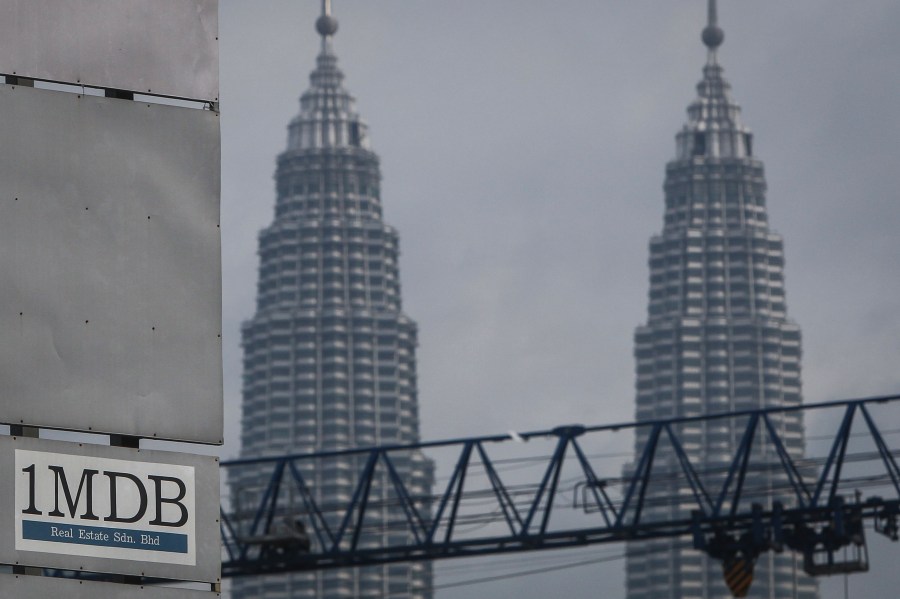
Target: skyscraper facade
{"points": [[329, 356], [717, 339]]}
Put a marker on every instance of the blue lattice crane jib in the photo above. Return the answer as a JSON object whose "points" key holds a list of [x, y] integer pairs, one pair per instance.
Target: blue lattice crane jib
{"points": [[810, 512]]}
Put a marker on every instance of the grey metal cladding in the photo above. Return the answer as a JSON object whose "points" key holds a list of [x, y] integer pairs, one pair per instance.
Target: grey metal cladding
{"points": [[164, 47], [110, 266], [207, 535], [43, 587]]}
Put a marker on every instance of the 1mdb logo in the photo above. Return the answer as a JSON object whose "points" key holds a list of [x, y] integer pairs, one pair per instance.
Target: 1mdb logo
{"points": [[113, 483]]}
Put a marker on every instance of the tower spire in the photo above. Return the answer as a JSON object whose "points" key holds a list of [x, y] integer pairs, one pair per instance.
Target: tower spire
{"points": [[326, 25], [712, 34]]}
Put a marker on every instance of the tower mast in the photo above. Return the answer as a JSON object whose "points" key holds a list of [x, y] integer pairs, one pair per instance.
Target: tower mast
{"points": [[712, 35]]}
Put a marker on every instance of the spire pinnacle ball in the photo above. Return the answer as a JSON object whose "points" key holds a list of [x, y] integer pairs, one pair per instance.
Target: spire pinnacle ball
{"points": [[326, 25], [713, 36]]}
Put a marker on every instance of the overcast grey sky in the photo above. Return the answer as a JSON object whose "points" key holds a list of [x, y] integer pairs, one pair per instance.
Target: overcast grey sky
{"points": [[523, 146]]}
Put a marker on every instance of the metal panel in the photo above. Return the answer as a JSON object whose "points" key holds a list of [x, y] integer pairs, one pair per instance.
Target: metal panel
{"points": [[109, 509], [165, 47], [110, 302], [39, 587]]}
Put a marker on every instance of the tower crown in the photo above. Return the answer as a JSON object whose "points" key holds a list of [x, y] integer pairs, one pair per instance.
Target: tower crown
{"points": [[714, 128], [328, 117]]}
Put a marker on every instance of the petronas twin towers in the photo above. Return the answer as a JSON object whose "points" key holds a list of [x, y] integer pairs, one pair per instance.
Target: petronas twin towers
{"points": [[717, 338], [329, 356]]}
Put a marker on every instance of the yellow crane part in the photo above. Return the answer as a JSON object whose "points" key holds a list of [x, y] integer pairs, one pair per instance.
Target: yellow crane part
{"points": [[738, 573]]}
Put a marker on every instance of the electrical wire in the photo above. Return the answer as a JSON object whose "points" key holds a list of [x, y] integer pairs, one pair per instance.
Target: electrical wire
{"points": [[487, 495], [554, 568]]}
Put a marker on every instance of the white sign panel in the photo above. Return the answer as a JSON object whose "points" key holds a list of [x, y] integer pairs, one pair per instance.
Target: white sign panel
{"points": [[78, 505], [110, 262], [165, 47], [109, 509]]}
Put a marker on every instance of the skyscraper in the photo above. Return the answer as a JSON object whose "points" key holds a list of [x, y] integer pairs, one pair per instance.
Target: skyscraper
{"points": [[329, 356], [717, 338]]}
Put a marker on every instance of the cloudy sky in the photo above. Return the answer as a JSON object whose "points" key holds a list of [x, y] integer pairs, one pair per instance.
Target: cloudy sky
{"points": [[523, 146]]}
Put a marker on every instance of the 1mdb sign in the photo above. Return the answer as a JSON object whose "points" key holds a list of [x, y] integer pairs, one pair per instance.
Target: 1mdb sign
{"points": [[80, 506], [105, 507]]}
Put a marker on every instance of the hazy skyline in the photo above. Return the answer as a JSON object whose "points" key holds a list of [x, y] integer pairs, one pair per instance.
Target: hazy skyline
{"points": [[523, 148]]}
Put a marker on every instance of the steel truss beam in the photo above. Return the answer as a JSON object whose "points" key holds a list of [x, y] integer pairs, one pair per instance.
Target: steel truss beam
{"points": [[812, 512]]}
